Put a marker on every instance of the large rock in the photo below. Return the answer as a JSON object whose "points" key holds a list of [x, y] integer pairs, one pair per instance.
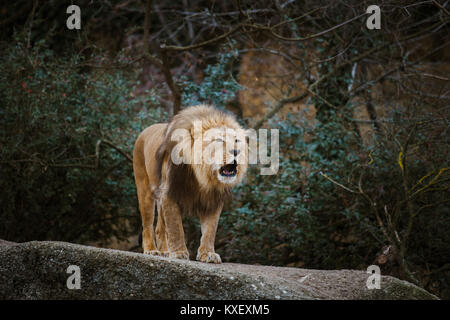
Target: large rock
{"points": [[38, 270]]}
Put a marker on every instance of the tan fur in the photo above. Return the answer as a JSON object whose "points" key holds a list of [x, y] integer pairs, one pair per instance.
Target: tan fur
{"points": [[183, 189]]}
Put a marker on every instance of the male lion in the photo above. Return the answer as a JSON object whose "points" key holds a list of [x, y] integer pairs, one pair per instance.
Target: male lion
{"points": [[194, 186]]}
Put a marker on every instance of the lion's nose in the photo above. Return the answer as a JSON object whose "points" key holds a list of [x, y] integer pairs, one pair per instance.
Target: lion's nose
{"points": [[234, 152]]}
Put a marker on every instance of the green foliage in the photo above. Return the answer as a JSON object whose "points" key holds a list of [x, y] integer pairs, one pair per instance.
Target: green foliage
{"points": [[218, 85], [319, 211], [299, 217], [287, 213], [56, 184]]}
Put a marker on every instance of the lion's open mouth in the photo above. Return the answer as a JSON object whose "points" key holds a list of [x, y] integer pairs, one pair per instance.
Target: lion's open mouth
{"points": [[229, 170]]}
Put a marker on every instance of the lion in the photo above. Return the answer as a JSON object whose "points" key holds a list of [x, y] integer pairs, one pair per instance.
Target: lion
{"points": [[174, 173]]}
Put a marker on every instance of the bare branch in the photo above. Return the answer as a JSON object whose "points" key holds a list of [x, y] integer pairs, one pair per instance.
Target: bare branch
{"points": [[437, 4], [147, 26], [205, 43], [125, 154], [169, 79]]}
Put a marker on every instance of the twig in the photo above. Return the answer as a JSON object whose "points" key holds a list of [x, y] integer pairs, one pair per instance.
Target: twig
{"points": [[283, 101], [280, 105], [29, 22], [313, 35], [162, 63], [437, 4], [169, 79], [147, 25], [337, 183], [125, 154], [204, 43]]}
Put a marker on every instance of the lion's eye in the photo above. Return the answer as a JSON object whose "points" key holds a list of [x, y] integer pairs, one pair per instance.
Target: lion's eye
{"points": [[237, 141], [218, 140]]}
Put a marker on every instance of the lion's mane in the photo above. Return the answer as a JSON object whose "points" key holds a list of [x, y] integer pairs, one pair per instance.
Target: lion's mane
{"points": [[192, 186]]}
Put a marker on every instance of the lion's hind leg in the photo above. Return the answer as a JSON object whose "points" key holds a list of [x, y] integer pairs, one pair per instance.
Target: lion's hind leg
{"points": [[147, 209], [161, 234]]}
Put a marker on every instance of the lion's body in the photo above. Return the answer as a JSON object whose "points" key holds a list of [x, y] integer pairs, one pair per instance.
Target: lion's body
{"points": [[181, 189]]}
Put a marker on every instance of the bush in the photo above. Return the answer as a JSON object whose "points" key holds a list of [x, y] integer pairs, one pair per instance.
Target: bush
{"points": [[67, 128], [62, 129], [218, 86], [288, 213], [323, 209]]}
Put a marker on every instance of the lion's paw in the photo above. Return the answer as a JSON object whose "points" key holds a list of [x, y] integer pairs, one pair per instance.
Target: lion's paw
{"points": [[209, 257], [179, 255], [152, 252], [165, 254]]}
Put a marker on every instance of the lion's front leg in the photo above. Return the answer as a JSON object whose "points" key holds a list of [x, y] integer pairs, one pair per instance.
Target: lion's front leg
{"points": [[174, 228], [209, 224]]}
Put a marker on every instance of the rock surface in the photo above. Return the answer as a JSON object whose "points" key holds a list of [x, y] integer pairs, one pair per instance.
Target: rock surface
{"points": [[38, 270]]}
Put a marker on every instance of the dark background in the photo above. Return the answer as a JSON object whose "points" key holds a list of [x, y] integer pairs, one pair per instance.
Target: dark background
{"points": [[362, 114]]}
